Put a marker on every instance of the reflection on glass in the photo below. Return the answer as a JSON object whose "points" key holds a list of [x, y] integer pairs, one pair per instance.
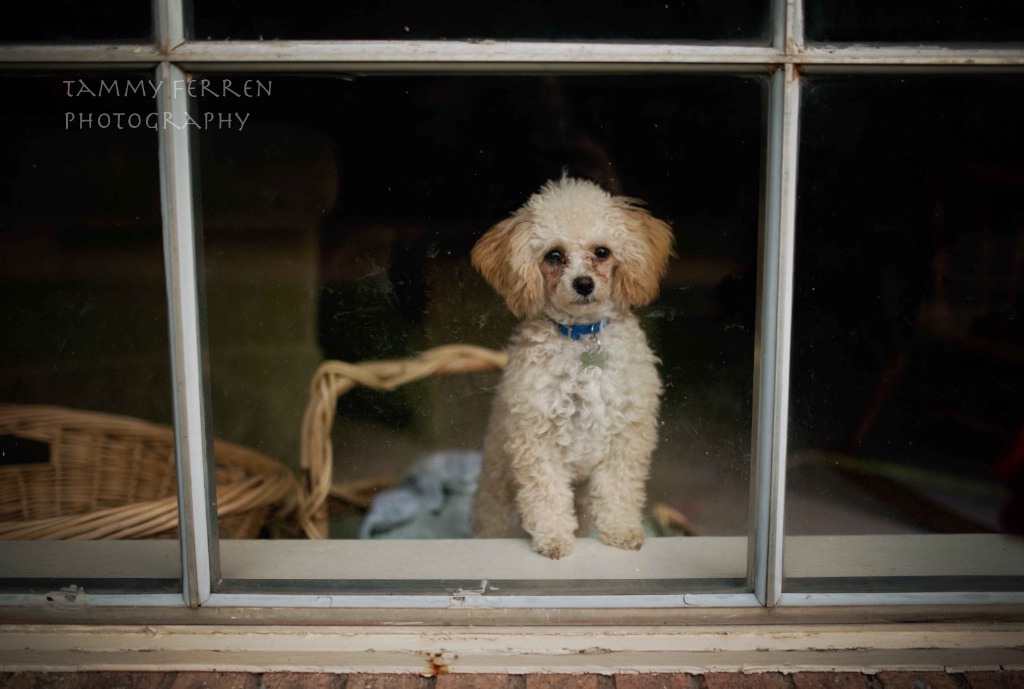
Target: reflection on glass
{"points": [[913, 21], [907, 400], [338, 225], [735, 20], [85, 401]]}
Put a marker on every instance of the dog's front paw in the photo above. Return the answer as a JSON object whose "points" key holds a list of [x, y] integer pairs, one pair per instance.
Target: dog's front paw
{"points": [[627, 539], [555, 547]]}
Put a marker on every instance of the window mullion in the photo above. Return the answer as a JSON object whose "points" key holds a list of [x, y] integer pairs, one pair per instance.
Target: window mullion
{"points": [[192, 446], [168, 24], [794, 31], [772, 376]]}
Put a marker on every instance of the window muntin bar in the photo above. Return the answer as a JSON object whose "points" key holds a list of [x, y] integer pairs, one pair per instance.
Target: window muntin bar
{"points": [[772, 392], [451, 56], [169, 19], [197, 498]]}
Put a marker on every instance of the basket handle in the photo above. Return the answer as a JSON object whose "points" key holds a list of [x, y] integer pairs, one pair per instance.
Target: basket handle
{"points": [[335, 378]]}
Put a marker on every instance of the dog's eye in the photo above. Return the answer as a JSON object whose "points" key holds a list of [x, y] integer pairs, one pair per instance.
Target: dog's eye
{"points": [[602, 253], [554, 257]]}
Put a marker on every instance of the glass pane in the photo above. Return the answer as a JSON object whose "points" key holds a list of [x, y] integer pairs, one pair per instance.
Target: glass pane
{"points": [[735, 20], [908, 356], [86, 450], [929, 21], [75, 22], [338, 225]]}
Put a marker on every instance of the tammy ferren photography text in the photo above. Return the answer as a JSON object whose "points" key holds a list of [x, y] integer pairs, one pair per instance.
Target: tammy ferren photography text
{"points": [[210, 90]]}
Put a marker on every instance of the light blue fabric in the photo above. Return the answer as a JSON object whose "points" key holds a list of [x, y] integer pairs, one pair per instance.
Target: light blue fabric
{"points": [[433, 500]]}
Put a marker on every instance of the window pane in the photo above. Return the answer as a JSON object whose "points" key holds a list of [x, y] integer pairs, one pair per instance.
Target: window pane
{"points": [[654, 20], [929, 21], [907, 371], [69, 21], [338, 224], [85, 398]]}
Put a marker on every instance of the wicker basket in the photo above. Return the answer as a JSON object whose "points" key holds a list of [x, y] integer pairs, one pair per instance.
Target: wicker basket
{"points": [[113, 477], [332, 380]]}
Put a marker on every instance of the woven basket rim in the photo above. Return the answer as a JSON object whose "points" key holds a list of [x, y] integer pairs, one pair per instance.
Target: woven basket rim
{"points": [[267, 482], [336, 378]]}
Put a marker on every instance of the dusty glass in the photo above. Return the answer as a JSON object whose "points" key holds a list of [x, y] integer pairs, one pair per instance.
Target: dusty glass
{"points": [[736, 20], [85, 384], [338, 222], [76, 22], [914, 21], [908, 358]]}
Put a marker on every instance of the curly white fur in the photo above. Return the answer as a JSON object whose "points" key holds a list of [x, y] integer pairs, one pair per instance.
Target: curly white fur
{"points": [[567, 438]]}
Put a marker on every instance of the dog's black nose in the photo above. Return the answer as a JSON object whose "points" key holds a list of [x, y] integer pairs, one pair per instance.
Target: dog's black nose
{"points": [[583, 285]]}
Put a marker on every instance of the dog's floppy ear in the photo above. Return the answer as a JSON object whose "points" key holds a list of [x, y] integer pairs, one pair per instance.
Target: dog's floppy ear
{"points": [[644, 256], [504, 258]]}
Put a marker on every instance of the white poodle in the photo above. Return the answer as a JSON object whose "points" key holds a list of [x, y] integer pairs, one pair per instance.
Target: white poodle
{"points": [[577, 407]]}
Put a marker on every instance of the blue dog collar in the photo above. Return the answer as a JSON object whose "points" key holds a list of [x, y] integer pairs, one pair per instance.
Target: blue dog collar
{"points": [[577, 331]]}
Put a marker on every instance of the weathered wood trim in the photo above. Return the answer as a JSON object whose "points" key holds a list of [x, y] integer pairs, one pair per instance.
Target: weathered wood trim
{"points": [[433, 650]]}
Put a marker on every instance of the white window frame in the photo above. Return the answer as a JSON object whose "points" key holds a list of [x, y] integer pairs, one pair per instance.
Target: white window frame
{"points": [[785, 60]]}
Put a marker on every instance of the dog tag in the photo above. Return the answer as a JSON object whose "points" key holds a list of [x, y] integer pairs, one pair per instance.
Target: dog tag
{"points": [[592, 359]]}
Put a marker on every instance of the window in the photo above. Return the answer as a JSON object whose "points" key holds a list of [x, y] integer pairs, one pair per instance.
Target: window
{"points": [[191, 226]]}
